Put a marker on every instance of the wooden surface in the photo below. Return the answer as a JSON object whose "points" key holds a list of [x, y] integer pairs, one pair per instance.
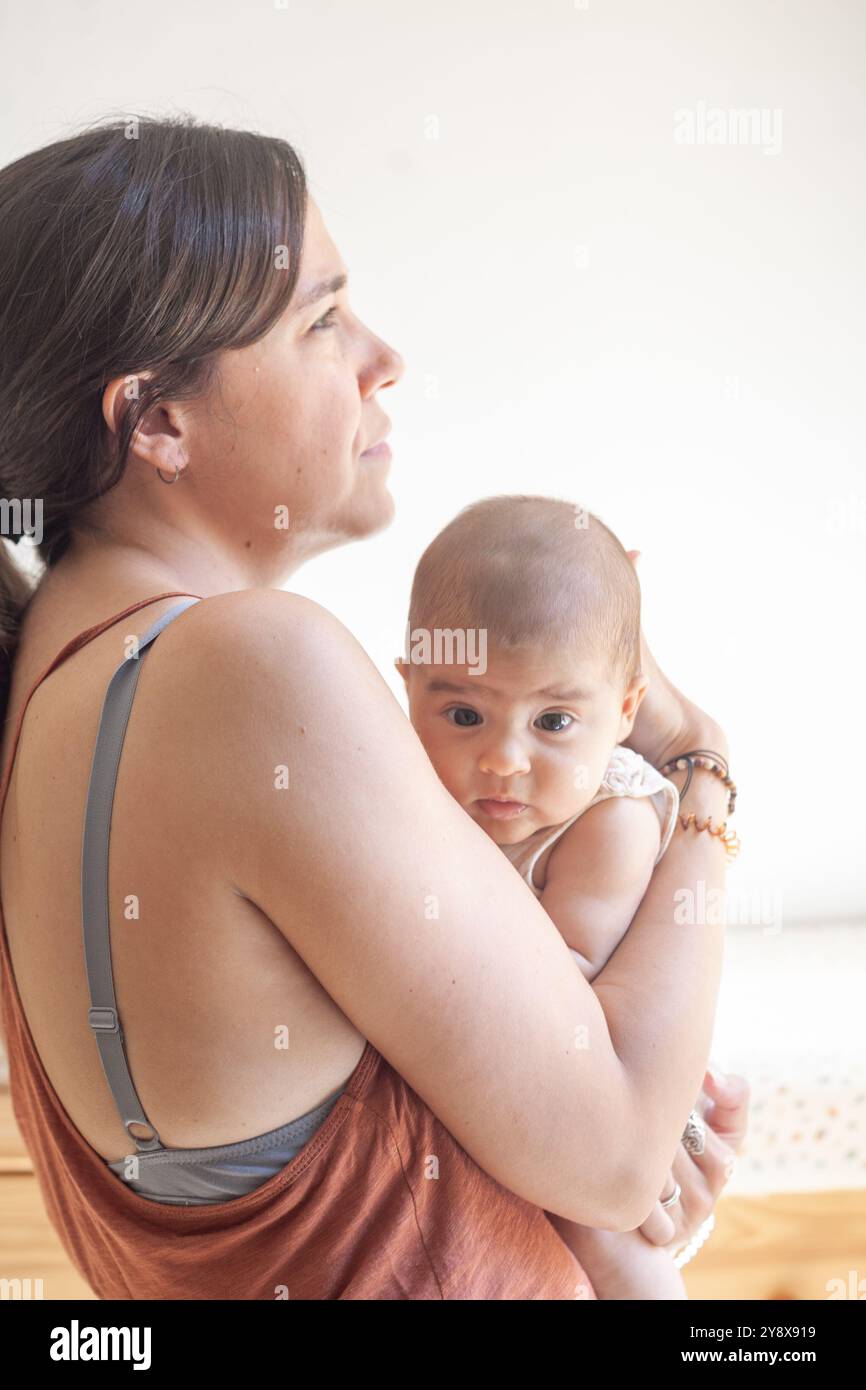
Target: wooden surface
{"points": [[783, 1247], [29, 1249]]}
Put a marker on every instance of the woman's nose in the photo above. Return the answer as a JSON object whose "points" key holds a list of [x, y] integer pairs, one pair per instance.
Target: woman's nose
{"points": [[396, 366], [384, 366]]}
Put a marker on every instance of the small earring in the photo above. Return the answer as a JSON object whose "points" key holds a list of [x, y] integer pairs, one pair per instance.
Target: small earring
{"points": [[170, 480]]}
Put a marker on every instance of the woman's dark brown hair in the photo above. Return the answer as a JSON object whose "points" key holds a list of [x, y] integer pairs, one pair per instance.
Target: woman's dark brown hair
{"points": [[137, 245]]}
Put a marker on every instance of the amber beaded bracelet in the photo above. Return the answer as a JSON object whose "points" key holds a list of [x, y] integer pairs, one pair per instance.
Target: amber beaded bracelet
{"points": [[715, 763]]}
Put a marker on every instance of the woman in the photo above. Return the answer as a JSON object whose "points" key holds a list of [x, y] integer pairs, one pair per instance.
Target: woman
{"points": [[261, 1071]]}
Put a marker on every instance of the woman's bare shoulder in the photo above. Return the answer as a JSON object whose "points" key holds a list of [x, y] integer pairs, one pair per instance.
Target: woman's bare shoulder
{"points": [[245, 653], [251, 622], [263, 674], [251, 614]]}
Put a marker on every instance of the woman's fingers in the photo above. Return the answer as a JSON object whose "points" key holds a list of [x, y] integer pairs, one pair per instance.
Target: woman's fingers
{"points": [[660, 1226], [677, 1223], [703, 1176], [728, 1113], [710, 1170]]}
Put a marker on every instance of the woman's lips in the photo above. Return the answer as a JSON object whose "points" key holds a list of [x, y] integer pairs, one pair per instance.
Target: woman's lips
{"points": [[501, 810], [380, 451]]}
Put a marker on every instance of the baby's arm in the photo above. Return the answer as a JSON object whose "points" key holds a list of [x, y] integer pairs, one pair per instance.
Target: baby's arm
{"points": [[597, 875]]}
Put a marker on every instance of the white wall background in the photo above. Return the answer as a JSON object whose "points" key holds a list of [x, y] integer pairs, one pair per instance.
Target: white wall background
{"points": [[670, 334]]}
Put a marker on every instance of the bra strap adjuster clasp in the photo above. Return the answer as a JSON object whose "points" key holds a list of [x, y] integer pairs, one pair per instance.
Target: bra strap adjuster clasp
{"points": [[103, 1020]]}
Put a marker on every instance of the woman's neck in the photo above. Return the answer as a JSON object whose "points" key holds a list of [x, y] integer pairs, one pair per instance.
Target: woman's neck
{"points": [[174, 563]]}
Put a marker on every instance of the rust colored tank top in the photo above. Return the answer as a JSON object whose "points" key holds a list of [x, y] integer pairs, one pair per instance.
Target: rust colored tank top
{"points": [[382, 1203]]}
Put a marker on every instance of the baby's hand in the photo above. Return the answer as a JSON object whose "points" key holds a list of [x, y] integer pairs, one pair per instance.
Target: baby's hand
{"points": [[598, 873]]}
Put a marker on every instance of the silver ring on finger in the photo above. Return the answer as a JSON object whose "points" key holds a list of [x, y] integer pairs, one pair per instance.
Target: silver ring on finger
{"points": [[694, 1139], [674, 1197]]}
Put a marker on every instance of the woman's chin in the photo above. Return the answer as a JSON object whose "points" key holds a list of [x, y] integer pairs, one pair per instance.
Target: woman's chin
{"points": [[372, 510]]}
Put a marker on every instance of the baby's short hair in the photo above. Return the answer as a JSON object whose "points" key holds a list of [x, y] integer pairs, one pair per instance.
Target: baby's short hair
{"points": [[534, 572]]}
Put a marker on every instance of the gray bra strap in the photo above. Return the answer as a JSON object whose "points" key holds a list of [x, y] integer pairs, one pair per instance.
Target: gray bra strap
{"points": [[102, 1015]]}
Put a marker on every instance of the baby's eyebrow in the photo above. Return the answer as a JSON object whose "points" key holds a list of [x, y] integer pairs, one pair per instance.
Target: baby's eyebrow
{"points": [[578, 696], [575, 696], [455, 689]]}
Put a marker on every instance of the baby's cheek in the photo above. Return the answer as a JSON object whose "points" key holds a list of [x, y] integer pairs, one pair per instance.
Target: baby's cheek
{"points": [[575, 781]]}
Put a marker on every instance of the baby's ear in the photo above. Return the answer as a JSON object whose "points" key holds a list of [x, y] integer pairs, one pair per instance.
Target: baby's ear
{"points": [[631, 704], [641, 685], [401, 666]]}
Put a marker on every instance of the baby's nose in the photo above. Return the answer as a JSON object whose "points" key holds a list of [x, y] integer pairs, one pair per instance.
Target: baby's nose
{"points": [[505, 759]]}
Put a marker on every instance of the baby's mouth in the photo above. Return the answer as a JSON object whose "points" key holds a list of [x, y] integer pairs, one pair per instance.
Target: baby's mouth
{"points": [[499, 809]]}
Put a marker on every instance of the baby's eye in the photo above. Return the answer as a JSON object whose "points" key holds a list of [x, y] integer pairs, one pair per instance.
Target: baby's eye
{"points": [[463, 710], [556, 715]]}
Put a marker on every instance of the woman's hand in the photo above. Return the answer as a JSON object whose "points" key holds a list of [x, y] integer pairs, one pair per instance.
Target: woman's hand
{"points": [[702, 1176], [667, 723]]}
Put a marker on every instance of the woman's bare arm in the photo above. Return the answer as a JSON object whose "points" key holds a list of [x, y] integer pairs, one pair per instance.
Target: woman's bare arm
{"points": [[423, 934], [664, 1061]]}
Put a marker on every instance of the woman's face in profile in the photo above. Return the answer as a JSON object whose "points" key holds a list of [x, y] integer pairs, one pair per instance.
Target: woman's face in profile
{"points": [[293, 414]]}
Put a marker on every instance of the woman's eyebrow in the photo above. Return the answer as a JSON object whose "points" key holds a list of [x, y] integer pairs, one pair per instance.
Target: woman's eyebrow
{"points": [[320, 290]]}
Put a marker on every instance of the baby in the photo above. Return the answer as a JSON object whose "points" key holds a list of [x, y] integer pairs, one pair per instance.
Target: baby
{"points": [[523, 677]]}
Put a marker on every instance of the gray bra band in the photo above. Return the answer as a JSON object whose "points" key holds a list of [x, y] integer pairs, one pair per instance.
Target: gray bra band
{"points": [[198, 1177], [102, 1015]]}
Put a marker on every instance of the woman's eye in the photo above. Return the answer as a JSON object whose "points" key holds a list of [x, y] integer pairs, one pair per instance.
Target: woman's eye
{"points": [[557, 716], [326, 321], [464, 718]]}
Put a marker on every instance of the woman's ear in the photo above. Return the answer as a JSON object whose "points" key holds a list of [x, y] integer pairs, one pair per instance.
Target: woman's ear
{"points": [[159, 440]]}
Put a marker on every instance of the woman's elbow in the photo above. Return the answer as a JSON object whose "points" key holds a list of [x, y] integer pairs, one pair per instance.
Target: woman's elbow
{"points": [[616, 1204], [638, 1199]]}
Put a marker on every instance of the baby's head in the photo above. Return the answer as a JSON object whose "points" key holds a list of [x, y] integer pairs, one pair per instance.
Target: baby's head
{"points": [[522, 665]]}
